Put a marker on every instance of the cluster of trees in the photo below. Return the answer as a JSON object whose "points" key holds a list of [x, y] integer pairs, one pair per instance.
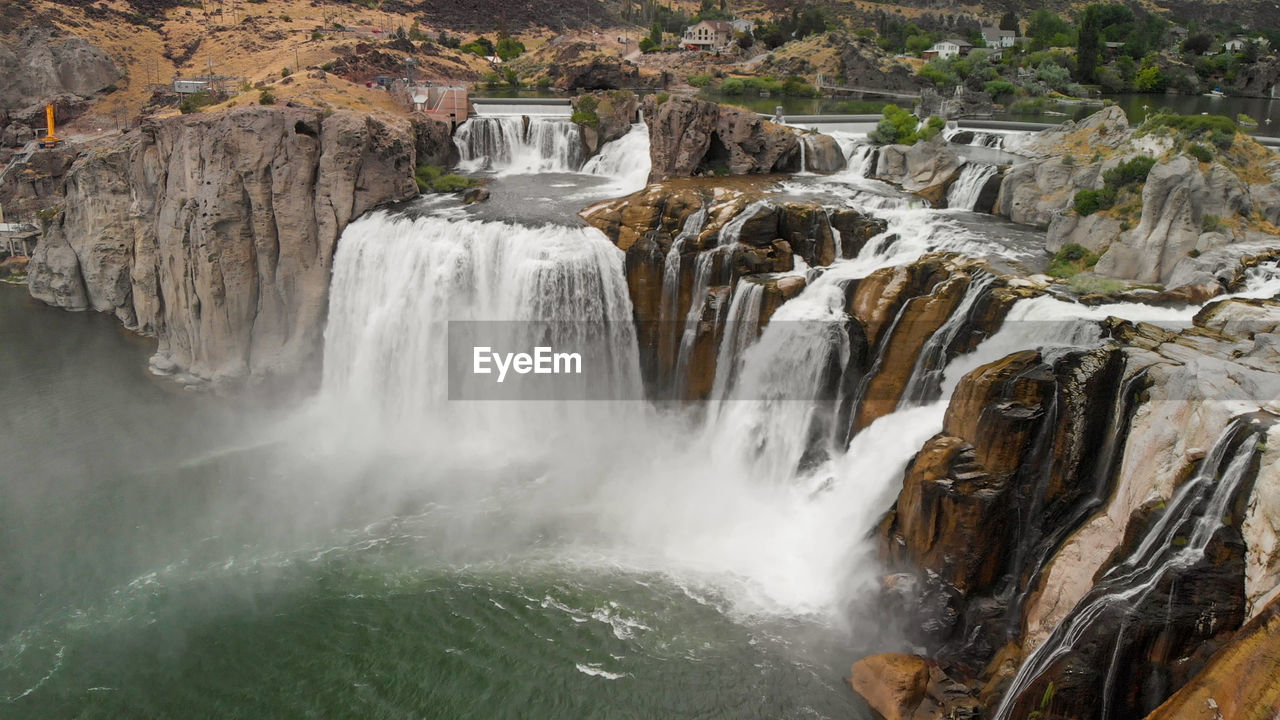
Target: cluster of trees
{"points": [[507, 47], [799, 24]]}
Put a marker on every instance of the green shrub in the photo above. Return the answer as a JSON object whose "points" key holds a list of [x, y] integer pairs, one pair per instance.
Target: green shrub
{"points": [[1132, 172], [584, 111], [795, 86], [700, 80], [431, 178], [1088, 202], [508, 48], [647, 45], [1243, 119], [897, 126], [195, 101], [733, 86], [1222, 139], [266, 97], [999, 88], [285, 72], [1211, 223], [1200, 152], [931, 128], [1190, 125]]}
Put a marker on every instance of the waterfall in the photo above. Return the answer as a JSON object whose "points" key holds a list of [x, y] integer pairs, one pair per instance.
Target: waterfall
{"points": [[399, 282], [804, 155], [519, 145], [926, 377], [741, 328], [967, 189], [1175, 542], [626, 160]]}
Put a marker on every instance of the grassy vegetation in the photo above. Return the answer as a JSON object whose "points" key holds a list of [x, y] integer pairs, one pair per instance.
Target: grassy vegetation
{"points": [[1126, 175], [1216, 129], [196, 101], [584, 113], [432, 178], [793, 86], [1071, 260]]}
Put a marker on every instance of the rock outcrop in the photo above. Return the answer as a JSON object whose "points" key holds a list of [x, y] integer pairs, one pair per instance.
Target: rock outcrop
{"points": [[926, 168], [690, 137], [215, 232], [1050, 472], [615, 110], [893, 684], [40, 65]]}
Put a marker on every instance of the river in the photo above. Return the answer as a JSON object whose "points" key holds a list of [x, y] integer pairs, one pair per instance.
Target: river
{"points": [[163, 551]]}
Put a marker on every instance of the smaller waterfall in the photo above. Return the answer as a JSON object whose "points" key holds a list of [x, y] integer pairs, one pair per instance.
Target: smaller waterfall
{"points": [[925, 384], [626, 160], [519, 145], [967, 189], [742, 327], [1176, 541]]}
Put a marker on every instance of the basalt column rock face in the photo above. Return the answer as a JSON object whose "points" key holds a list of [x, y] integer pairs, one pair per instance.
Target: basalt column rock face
{"points": [[216, 233]]}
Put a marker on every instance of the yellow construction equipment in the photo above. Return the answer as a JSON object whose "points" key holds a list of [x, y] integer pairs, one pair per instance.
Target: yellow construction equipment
{"points": [[50, 140]]}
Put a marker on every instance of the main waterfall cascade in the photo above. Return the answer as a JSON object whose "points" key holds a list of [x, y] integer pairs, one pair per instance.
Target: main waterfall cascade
{"points": [[761, 492]]}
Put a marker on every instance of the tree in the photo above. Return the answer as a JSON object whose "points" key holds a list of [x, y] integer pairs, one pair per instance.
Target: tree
{"points": [[1009, 21], [1150, 80], [655, 34], [1197, 44], [509, 48]]}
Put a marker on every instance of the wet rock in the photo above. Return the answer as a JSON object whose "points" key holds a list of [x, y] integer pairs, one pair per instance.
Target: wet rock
{"points": [[855, 230], [822, 153], [893, 684], [926, 168]]}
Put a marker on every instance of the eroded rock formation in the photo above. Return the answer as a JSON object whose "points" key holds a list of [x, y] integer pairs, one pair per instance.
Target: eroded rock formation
{"points": [[1051, 473], [690, 137]]}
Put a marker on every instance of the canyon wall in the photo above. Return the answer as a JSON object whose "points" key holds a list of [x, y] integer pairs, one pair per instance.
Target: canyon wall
{"points": [[215, 232], [1090, 527]]}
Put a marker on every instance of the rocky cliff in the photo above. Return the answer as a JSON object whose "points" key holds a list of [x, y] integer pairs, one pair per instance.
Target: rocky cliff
{"points": [[1091, 526], [1194, 217], [215, 233], [690, 137], [41, 67]]}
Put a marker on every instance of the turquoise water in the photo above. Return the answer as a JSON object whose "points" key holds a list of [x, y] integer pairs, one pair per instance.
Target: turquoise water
{"points": [[166, 555]]}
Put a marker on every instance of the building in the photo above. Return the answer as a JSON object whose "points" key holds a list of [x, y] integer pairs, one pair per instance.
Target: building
{"points": [[18, 239], [743, 26], [707, 35], [949, 48], [997, 38], [1237, 44], [190, 86]]}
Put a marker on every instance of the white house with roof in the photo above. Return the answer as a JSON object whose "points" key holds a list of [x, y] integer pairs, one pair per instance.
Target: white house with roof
{"points": [[707, 35], [1237, 44], [949, 48], [742, 25], [997, 38]]}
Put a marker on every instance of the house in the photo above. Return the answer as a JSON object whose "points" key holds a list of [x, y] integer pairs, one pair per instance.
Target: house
{"points": [[997, 38], [707, 35], [1237, 44], [949, 48], [743, 26]]}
